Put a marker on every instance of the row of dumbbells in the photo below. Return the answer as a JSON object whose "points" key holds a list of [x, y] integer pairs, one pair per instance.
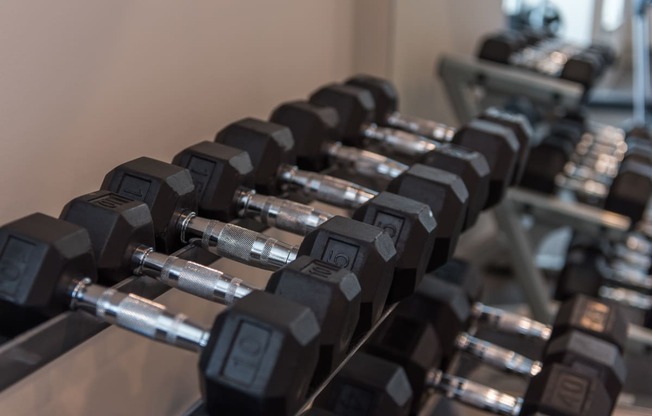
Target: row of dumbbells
{"points": [[51, 264], [548, 55], [580, 372]]}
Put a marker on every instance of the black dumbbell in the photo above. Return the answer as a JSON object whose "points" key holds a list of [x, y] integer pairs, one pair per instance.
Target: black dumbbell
{"points": [[387, 114], [313, 127], [221, 181], [412, 343], [122, 237], [257, 358], [356, 127], [259, 138], [366, 385], [585, 272], [169, 192]]}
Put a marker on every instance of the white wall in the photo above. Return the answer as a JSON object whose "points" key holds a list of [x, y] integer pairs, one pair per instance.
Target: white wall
{"points": [[86, 85]]}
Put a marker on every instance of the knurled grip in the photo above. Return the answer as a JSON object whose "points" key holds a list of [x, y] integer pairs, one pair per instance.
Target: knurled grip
{"points": [[326, 189], [366, 163], [474, 394], [246, 246], [399, 141], [511, 323], [498, 357], [201, 281], [427, 128]]}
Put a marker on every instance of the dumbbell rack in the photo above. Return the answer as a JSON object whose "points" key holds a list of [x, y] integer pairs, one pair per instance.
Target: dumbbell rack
{"points": [[103, 366]]}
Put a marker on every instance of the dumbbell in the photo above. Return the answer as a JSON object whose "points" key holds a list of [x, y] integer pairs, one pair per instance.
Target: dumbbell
{"points": [[412, 343], [122, 237], [386, 114], [548, 56], [366, 385], [439, 304], [220, 175], [582, 273], [355, 115], [257, 358], [169, 192], [356, 111], [440, 191]]}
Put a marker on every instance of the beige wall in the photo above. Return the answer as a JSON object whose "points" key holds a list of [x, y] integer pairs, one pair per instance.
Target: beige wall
{"points": [[86, 85]]}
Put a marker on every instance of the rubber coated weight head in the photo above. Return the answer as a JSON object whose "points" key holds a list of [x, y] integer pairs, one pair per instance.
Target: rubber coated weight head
{"points": [[580, 274], [559, 390], [412, 228], [581, 68], [39, 258], [499, 146], [410, 343], [384, 94], [369, 386], [116, 225], [218, 172], [365, 250], [442, 305], [520, 126], [168, 190], [591, 316], [591, 356], [499, 47], [469, 165], [545, 161], [260, 357], [333, 294], [355, 107], [269, 146], [447, 198], [630, 190], [312, 127], [464, 275]]}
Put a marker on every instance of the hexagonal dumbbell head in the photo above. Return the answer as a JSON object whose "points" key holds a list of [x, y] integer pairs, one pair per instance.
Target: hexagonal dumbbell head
{"points": [[522, 130], [116, 225], [260, 357], [580, 274], [333, 294], [589, 355], [269, 146], [469, 165], [630, 190], [40, 256], [412, 227], [600, 319], [559, 390], [355, 107], [384, 94], [499, 146], [410, 343], [445, 307], [370, 386], [168, 191], [365, 250], [218, 172], [311, 126], [447, 198]]}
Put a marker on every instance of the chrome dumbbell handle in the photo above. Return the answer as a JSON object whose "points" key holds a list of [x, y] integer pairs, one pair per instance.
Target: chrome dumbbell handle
{"points": [[138, 315], [364, 162], [510, 323]]}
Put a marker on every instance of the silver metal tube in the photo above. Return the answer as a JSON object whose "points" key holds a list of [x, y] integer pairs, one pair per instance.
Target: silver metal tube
{"points": [[623, 275], [239, 244], [497, 357], [190, 277], [510, 323], [324, 188], [398, 141], [426, 128], [280, 213], [474, 394], [138, 315], [641, 57], [364, 162], [627, 297]]}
